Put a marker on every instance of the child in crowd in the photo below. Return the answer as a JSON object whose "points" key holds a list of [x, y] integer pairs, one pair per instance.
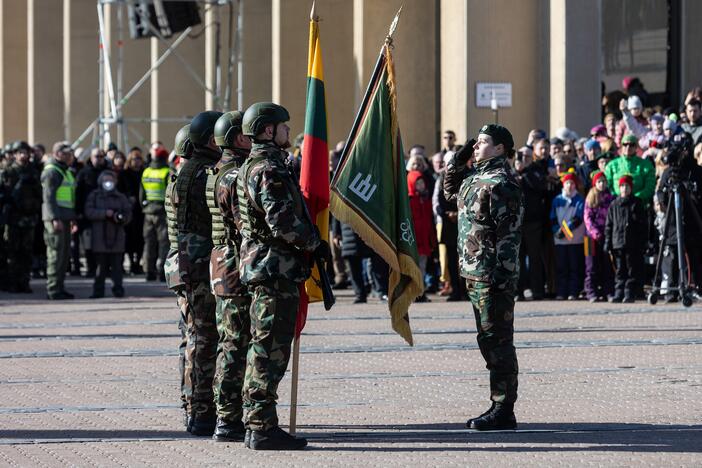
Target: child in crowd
{"points": [[567, 213], [599, 283], [423, 218], [625, 237]]}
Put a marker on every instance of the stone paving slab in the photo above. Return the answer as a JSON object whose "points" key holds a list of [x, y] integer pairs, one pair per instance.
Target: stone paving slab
{"points": [[94, 383]]}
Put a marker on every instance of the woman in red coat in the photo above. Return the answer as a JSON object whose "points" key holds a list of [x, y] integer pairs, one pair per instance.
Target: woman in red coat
{"points": [[422, 216]]}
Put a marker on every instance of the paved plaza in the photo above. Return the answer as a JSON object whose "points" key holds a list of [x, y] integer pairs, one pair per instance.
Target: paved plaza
{"points": [[95, 383]]}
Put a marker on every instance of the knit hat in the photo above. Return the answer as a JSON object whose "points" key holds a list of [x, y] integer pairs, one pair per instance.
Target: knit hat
{"points": [[605, 155], [597, 175], [598, 130], [657, 118], [591, 144], [630, 139], [569, 176], [634, 102], [626, 179], [626, 81], [670, 125]]}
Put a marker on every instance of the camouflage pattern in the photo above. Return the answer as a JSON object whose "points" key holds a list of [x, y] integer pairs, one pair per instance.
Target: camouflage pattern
{"points": [[233, 299], [234, 328], [155, 233], [275, 230], [201, 349], [273, 313], [184, 324], [194, 247], [494, 320], [490, 210]]}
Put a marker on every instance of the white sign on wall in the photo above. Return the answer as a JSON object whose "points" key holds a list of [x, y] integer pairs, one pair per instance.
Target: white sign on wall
{"points": [[486, 92]]}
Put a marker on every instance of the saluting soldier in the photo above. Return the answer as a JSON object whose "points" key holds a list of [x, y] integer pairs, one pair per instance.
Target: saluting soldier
{"points": [[275, 233], [490, 212], [233, 299]]}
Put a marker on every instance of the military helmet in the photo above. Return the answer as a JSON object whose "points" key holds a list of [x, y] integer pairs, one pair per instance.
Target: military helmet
{"points": [[202, 127], [227, 128], [183, 147], [20, 145], [261, 114]]}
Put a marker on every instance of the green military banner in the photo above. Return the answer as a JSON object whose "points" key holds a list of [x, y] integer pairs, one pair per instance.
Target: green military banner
{"points": [[369, 191]]}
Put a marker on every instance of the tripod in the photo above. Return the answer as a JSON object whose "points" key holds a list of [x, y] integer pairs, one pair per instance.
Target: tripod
{"points": [[680, 198]]}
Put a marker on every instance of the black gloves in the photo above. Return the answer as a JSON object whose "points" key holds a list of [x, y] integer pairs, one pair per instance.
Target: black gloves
{"points": [[323, 252], [464, 154]]}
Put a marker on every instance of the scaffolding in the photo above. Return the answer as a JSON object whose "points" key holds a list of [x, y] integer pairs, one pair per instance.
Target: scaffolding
{"points": [[110, 124]]}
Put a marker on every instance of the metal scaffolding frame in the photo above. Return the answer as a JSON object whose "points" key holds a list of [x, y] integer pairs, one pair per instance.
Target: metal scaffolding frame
{"points": [[101, 128]]}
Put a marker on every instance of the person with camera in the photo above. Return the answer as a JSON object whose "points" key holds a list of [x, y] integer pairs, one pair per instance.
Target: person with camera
{"points": [[108, 211]]}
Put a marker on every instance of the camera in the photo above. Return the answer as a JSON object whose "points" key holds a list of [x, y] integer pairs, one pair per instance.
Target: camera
{"points": [[118, 217], [678, 147]]}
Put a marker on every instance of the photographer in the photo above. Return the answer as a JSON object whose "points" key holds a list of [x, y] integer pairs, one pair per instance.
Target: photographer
{"points": [[108, 211], [682, 171]]}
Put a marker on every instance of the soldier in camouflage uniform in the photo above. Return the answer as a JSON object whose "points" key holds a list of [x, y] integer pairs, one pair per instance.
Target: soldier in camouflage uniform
{"points": [[183, 149], [23, 211], [194, 248], [490, 212], [276, 234], [233, 299]]}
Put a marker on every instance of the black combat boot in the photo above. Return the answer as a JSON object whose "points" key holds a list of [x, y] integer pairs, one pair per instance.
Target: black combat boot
{"points": [[275, 439], [469, 423], [203, 426], [500, 418], [229, 431]]}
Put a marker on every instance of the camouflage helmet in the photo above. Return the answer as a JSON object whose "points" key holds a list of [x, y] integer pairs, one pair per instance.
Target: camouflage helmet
{"points": [[261, 114], [227, 128], [182, 146], [20, 145], [202, 127]]}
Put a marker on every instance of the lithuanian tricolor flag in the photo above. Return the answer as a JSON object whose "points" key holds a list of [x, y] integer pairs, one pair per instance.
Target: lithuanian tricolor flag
{"points": [[314, 169]]}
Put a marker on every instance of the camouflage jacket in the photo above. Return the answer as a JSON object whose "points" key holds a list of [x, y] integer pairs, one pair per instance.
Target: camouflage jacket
{"points": [[224, 260], [275, 230], [490, 210], [23, 191]]}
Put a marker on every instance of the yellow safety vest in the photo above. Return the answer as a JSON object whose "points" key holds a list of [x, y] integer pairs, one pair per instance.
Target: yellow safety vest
{"points": [[154, 182], [66, 193]]}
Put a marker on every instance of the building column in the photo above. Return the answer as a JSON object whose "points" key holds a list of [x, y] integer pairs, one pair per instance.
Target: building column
{"points": [[415, 57], [455, 99], [575, 56], [13, 71], [256, 53], [44, 72], [691, 73]]}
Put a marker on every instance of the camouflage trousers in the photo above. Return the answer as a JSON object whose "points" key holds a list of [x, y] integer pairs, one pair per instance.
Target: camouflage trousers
{"points": [[234, 327], [494, 320], [155, 233], [20, 242], [58, 250], [273, 312], [186, 384], [201, 349]]}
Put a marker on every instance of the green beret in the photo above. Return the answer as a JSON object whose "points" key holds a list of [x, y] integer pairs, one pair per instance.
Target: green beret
{"points": [[499, 134]]}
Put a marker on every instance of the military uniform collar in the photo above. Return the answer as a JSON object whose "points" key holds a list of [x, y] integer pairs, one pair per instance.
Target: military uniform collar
{"points": [[231, 154], [492, 163]]}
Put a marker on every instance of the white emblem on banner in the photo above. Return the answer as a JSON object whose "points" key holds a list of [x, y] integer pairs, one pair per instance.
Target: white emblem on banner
{"points": [[363, 188], [407, 234]]}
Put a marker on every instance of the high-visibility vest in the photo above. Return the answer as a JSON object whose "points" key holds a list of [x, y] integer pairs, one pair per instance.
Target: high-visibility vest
{"points": [[66, 193], [154, 182]]}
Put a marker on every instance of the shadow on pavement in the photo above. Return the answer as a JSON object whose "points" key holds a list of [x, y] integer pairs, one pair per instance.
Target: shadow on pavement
{"points": [[47, 435], [531, 437]]}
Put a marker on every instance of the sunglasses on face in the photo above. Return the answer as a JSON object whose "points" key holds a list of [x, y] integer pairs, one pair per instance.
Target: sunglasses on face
{"points": [[627, 144]]}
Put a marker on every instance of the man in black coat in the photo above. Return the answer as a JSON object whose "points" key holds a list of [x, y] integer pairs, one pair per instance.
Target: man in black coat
{"points": [[86, 182]]}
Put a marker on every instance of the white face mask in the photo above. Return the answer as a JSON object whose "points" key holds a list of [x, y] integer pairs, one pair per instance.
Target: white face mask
{"points": [[108, 185]]}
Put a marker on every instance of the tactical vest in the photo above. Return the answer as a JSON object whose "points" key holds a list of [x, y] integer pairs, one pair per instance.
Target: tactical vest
{"points": [[251, 223], [191, 220], [154, 182], [221, 232], [171, 216], [66, 193]]}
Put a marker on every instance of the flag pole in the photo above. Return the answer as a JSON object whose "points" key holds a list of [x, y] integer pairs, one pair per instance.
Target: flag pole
{"points": [[296, 341], [377, 70]]}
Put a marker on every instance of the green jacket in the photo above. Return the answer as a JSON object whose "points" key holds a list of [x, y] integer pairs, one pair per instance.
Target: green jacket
{"points": [[641, 170]]}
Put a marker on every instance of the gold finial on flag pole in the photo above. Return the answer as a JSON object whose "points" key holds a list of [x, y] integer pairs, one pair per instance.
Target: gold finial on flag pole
{"points": [[393, 26]]}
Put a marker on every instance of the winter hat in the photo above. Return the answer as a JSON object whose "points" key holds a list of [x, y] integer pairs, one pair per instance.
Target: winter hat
{"points": [[564, 134], [596, 176], [634, 103], [569, 176], [670, 125], [591, 145], [630, 139], [598, 130], [657, 118], [626, 179], [626, 81]]}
